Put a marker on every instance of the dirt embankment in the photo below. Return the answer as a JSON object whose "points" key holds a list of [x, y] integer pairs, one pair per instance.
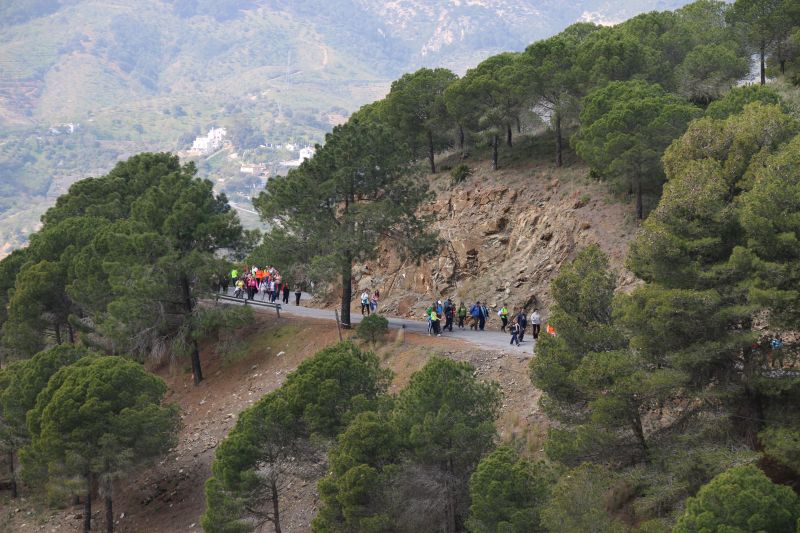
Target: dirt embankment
{"points": [[505, 235], [168, 496]]}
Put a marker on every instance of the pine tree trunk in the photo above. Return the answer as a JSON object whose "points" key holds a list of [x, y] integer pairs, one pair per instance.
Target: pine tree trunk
{"points": [[197, 371], [71, 333], [58, 333], [87, 505], [461, 140], [638, 430], [109, 514], [275, 511], [431, 153], [639, 204], [495, 142], [347, 288], [12, 474], [508, 136], [783, 66], [762, 51], [559, 141], [519, 126], [450, 511]]}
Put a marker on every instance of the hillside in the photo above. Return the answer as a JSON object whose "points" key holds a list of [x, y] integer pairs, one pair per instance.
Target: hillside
{"points": [[505, 234], [169, 497], [151, 76]]}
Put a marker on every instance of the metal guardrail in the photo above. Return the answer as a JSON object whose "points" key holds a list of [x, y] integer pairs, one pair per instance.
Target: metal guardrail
{"points": [[245, 301]]}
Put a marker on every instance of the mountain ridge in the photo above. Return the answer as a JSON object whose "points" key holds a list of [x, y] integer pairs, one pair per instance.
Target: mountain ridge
{"points": [[151, 76]]}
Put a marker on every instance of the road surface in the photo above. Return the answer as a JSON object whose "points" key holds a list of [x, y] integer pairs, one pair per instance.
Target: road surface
{"points": [[489, 338]]}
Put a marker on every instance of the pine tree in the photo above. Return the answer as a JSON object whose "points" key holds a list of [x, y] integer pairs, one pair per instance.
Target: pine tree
{"points": [[742, 500], [98, 418], [355, 193]]}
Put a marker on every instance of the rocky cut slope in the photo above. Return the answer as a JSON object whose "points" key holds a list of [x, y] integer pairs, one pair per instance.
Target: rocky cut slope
{"points": [[505, 235]]}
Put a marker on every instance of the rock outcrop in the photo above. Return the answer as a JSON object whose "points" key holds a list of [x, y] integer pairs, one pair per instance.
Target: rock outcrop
{"points": [[504, 236]]}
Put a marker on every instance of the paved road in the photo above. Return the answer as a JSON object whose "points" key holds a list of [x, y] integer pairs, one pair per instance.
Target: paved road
{"points": [[491, 339]]}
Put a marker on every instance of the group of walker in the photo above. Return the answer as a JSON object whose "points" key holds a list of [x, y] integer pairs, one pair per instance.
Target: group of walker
{"points": [[476, 318], [254, 280]]}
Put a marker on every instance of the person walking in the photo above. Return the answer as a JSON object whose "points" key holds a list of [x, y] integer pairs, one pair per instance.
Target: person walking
{"points": [[298, 292], [428, 318], [536, 323], [234, 276], [449, 314], [514, 332], [252, 287], [238, 292], [522, 320], [475, 312], [365, 303], [264, 288], [503, 314], [286, 292], [462, 315], [435, 323], [484, 315], [373, 301]]}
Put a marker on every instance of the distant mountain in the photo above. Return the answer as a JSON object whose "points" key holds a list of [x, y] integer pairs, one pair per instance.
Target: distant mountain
{"points": [[151, 74]]}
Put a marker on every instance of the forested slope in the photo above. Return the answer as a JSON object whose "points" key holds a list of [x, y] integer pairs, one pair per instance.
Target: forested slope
{"points": [[662, 396]]}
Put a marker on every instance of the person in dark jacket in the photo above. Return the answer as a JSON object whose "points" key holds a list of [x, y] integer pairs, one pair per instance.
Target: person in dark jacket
{"points": [[522, 320]]}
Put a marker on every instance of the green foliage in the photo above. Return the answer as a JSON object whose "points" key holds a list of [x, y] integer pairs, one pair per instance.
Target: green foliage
{"points": [[325, 389], [27, 379], [356, 191], [489, 99], [578, 502], [716, 256], [556, 78], [765, 24], [508, 492], [460, 173], [415, 106], [447, 416], [97, 419], [743, 500], [709, 71], [782, 442], [737, 98], [273, 438], [598, 388], [389, 465], [362, 464], [250, 464], [768, 213], [625, 128], [373, 327], [132, 251]]}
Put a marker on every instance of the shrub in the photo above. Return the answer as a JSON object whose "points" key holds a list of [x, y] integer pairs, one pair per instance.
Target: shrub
{"points": [[460, 173], [373, 327], [741, 499]]}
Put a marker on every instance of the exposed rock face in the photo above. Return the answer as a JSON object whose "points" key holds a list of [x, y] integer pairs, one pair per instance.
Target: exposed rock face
{"points": [[505, 236]]}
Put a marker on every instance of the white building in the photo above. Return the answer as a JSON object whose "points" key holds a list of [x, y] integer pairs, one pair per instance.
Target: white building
{"points": [[209, 143], [305, 153]]}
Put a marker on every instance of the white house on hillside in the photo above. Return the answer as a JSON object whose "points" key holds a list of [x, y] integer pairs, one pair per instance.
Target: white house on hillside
{"points": [[209, 143]]}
